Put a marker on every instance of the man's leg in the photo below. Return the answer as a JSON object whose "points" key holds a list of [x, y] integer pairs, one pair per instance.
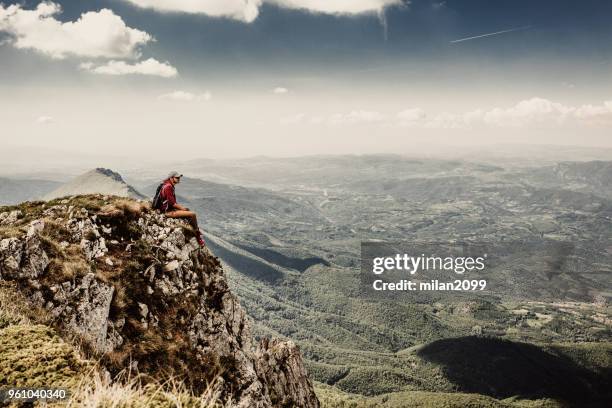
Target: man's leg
{"points": [[191, 217]]}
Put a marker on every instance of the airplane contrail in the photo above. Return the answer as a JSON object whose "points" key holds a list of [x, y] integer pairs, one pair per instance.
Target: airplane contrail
{"points": [[490, 34]]}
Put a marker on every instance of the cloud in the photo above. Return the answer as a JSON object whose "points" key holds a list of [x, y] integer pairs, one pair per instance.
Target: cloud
{"points": [[280, 91], [412, 115], [150, 66], [45, 120], [95, 34], [340, 7], [182, 96], [528, 113], [248, 10], [356, 116], [243, 10], [595, 112]]}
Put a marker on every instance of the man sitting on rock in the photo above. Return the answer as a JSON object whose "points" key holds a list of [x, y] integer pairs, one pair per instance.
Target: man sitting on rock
{"points": [[165, 201]]}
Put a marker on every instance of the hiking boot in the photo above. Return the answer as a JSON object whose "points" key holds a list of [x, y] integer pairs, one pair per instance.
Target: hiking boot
{"points": [[201, 241]]}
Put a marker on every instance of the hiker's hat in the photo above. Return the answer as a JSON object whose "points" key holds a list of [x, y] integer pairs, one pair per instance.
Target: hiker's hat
{"points": [[174, 174]]}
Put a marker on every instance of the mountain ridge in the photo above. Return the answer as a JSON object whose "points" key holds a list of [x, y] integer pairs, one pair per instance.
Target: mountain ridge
{"points": [[97, 181]]}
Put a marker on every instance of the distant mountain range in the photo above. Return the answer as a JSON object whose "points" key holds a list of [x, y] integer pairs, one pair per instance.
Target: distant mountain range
{"points": [[13, 191]]}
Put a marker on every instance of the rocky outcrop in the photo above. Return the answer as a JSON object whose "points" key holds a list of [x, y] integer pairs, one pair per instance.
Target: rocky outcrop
{"points": [[23, 258], [135, 285], [90, 316], [281, 367]]}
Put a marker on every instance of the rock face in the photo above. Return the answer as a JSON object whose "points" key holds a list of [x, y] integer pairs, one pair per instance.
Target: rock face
{"points": [[132, 282], [280, 364], [23, 258], [90, 316]]}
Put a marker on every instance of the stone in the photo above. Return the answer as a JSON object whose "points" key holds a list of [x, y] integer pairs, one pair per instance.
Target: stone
{"points": [[9, 217], [144, 310], [35, 259], [94, 249], [11, 254], [90, 319], [24, 258], [171, 266], [35, 227]]}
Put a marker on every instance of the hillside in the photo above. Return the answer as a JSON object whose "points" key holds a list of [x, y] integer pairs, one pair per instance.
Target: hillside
{"points": [[135, 288]]}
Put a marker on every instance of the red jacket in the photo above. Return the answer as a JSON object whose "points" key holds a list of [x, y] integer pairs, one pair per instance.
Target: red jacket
{"points": [[168, 197]]}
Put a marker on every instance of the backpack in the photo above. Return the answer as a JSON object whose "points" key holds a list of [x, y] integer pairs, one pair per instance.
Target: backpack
{"points": [[157, 198]]}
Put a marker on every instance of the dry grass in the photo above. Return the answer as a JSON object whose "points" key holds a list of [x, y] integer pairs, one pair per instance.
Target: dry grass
{"points": [[11, 232], [132, 391], [16, 309], [124, 208]]}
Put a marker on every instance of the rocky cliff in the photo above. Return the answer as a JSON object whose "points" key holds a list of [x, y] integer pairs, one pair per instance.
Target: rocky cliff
{"points": [[139, 292]]}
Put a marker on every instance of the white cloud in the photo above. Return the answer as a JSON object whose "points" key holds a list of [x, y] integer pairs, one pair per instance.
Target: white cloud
{"points": [[412, 115], [95, 34], [45, 120], [529, 112], [337, 6], [248, 10], [182, 96], [244, 10], [356, 116], [533, 112], [594, 112], [280, 91], [150, 66]]}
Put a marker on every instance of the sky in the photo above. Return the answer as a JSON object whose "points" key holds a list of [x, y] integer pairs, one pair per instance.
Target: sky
{"points": [[236, 78]]}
